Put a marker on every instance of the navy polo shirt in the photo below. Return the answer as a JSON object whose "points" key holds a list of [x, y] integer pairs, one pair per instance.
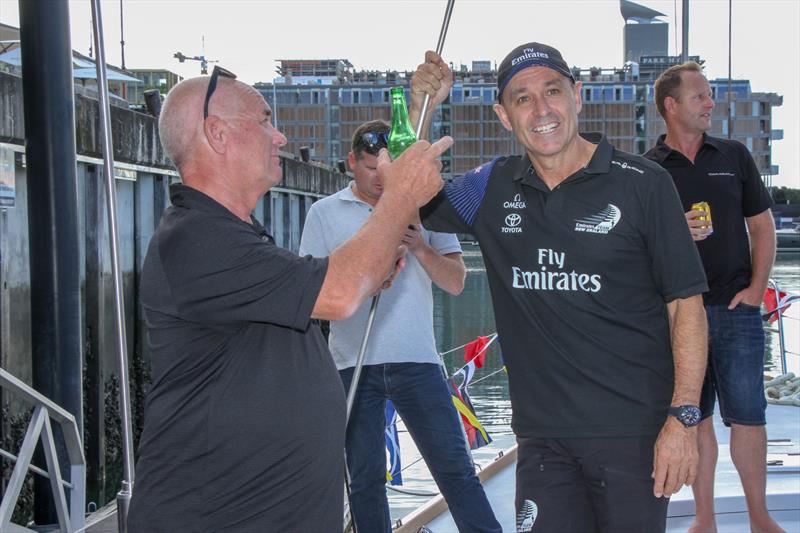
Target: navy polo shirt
{"points": [[245, 419], [580, 276], [724, 175]]}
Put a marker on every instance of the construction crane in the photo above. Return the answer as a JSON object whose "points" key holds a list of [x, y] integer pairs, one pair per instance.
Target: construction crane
{"points": [[201, 58]]}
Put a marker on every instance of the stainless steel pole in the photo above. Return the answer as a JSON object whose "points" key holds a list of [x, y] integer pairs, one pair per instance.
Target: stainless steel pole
{"points": [[351, 392], [124, 495], [439, 46]]}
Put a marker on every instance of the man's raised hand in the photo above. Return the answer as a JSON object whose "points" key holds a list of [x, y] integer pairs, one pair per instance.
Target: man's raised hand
{"points": [[416, 173]]}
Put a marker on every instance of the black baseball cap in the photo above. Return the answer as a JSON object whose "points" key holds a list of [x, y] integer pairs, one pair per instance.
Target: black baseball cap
{"points": [[530, 55]]}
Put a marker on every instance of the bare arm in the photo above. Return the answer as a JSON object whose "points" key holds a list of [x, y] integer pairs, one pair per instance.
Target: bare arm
{"points": [[675, 457], [762, 253], [689, 334], [446, 271], [357, 268], [433, 78]]}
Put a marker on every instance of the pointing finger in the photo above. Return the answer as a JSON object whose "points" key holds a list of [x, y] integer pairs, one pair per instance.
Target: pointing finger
{"points": [[383, 157]]}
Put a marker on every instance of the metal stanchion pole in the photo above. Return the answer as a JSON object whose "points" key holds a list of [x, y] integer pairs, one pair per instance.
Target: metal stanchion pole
{"points": [[124, 495], [351, 392], [439, 46]]}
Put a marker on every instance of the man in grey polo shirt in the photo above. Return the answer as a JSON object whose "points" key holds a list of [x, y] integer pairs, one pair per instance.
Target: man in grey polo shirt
{"points": [[401, 363]]}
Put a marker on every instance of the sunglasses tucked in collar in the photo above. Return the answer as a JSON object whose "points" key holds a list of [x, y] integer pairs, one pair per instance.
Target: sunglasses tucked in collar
{"points": [[372, 142], [212, 85]]}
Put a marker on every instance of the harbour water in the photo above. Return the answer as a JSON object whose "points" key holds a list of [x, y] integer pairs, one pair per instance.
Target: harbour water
{"points": [[458, 320]]}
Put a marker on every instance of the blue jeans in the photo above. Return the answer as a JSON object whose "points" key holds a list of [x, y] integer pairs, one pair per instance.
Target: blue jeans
{"points": [[421, 397], [735, 373]]}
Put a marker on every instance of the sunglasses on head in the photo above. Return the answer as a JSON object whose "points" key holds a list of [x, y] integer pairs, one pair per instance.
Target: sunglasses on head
{"points": [[212, 85], [373, 141]]}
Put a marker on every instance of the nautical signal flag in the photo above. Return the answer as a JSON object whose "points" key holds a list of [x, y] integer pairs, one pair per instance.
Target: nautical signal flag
{"points": [[476, 350], [772, 301], [474, 430], [393, 468]]}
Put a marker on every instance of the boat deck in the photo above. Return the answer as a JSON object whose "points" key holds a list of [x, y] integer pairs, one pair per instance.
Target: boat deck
{"points": [[783, 486]]}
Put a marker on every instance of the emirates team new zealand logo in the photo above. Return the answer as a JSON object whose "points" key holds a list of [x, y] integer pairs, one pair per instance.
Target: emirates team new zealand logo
{"points": [[602, 222], [526, 516]]}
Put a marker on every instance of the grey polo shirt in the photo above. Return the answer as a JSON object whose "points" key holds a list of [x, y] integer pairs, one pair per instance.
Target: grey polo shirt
{"points": [[403, 328]]}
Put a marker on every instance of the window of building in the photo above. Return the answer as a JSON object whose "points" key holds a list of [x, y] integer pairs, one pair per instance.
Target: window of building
{"points": [[457, 94], [627, 93], [587, 94], [356, 96]]}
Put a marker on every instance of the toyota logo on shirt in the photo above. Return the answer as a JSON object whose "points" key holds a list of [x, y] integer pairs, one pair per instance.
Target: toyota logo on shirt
{"points": [[513, 220]]}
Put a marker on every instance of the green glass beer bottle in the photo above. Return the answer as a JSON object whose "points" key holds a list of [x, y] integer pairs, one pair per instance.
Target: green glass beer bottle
{"points": [[402, 134]]}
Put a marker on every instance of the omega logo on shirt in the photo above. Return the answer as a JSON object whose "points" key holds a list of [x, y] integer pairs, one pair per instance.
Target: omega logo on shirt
{"points": [[517, 203]]}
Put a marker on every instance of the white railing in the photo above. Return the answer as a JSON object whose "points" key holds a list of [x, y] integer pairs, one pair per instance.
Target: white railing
{"points": [[71, 518], [782, 304]]}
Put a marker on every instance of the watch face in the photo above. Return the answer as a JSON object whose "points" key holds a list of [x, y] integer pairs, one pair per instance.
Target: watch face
{"points": [[689, 415]]}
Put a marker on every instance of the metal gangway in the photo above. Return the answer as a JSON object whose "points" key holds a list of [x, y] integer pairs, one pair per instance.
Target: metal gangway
{"points": [[71, 517]]}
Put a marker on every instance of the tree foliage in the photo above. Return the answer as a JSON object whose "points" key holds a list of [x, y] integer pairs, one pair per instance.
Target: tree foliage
{"points": [[785, 195]]}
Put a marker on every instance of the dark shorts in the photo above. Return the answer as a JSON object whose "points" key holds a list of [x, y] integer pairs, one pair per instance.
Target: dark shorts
{"points": [[735, 372], [587, 485]]}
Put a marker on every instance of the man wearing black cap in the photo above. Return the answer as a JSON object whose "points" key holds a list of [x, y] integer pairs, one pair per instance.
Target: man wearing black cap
{"points": [[596, 289]]}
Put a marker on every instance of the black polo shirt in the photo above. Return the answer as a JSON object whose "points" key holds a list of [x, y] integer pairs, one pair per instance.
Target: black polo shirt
{"points": [[244, 423], [724, 175], [579, 276]]}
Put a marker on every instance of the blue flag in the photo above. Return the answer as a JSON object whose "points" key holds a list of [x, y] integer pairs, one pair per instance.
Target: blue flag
{"points": [[393, 446]]}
